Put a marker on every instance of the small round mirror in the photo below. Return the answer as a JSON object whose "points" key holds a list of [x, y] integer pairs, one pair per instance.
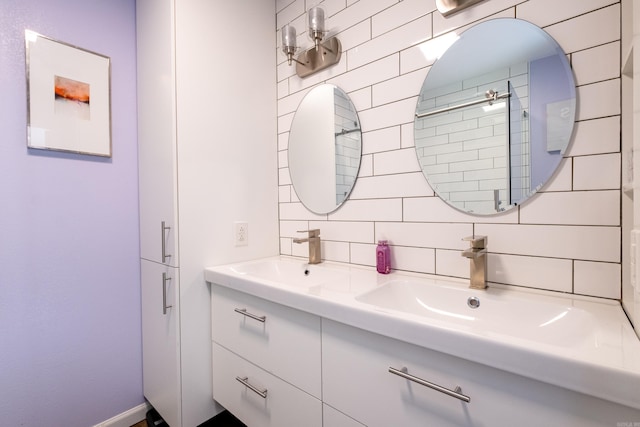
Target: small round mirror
{"points": [[495, 116], [325, 145]]}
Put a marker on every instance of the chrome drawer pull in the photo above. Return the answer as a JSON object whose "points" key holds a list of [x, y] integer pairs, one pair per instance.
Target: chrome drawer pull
{"points": [[453, 393], [244, 312], [164, 293], [245, 381], [163, 231]]}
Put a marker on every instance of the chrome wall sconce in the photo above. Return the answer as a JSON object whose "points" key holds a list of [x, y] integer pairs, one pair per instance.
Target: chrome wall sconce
{"points": [[323, 54]]}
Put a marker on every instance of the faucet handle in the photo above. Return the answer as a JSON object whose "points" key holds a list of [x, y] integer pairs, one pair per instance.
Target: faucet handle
{"points": [[312, 233], [477, 242]]}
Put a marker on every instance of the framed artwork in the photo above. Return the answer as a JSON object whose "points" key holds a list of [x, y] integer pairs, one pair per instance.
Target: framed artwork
{"points": [[68, 97]]}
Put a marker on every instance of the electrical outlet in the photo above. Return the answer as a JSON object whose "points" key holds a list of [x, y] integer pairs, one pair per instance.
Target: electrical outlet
{"points": [[241, 233]]}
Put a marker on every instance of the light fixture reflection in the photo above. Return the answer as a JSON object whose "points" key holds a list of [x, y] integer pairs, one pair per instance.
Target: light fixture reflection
{"points": [[493, 107], [555, 319], [444, 312], [433, 49]]}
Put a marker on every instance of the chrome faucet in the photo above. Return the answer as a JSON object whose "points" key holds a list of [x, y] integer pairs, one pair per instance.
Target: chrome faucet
{"points": [[477, 254], [315, 252]]}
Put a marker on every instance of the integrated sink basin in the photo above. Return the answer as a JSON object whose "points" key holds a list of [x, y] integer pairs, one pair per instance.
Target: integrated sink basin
{"points": [[487, 312], [288, 272]]}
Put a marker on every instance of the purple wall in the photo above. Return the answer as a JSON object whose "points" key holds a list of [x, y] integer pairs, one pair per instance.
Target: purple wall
{"points": [[70, 339]]}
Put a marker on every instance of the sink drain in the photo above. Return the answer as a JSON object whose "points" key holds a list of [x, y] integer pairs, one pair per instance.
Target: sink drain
{"points": [[473, 302]]}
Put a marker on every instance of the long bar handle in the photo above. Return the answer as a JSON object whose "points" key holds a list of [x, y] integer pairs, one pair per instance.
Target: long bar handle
{"points": [[244, 312], [453, 393], [165, 279], [163, 231], [491, 96], [245, 381]]}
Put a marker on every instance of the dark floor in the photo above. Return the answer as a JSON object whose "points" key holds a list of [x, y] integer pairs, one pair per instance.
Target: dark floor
{"points": [[223, 419]]}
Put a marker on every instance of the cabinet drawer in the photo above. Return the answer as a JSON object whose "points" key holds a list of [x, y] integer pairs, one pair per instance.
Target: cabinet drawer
{"points": [[357, 382], [281, 340], [281, 405]]}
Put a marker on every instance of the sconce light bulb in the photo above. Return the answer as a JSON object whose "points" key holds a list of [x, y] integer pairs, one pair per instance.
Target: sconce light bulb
{"points": [[316, 24], [288, 38]]}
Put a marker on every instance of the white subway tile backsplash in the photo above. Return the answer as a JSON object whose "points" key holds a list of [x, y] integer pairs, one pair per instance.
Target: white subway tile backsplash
{"points": [[285, 246], [562, 180], [355, 36], [397, 161], [345, 231], [407, 135], [585, 31], [404, 86], [361, 98], [287, 14], [420, 260], [296, 84], [596, 137], [596, 64], [381, 140], [598, 279], [369, 210], [283, 160], [412, 33], [283, 88], [425, 235], [388, 115], [289, 104], [588, 243], [284, 122], [283, 141], [284, 194], [569, 208], [290, 228], [599, 100], [598, 172], [399, 14], [297, 211], [451, 263], [335, 251], [414, 58], [389, 186], [533, 272], [547, 12], [366, 165], [284, 177], [368, 75], [363, 254], [358, 12], [566, 238]]}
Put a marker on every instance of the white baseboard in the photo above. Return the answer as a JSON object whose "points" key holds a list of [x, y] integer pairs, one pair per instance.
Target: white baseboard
{"points": [[127, 418]]}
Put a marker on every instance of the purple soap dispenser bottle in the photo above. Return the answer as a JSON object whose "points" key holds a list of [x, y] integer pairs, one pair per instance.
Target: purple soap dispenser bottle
{"points": [[383, 257]]}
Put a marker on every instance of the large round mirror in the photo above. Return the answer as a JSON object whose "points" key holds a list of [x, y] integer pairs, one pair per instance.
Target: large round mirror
{"points": [[325, 144], [495, 116]]}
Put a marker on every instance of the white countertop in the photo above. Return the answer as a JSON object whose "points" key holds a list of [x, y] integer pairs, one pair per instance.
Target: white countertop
{"points": [[599, 355]]}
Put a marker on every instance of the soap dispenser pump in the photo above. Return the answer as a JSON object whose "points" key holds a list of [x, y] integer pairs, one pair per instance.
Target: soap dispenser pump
{"points": [[383, 257]]}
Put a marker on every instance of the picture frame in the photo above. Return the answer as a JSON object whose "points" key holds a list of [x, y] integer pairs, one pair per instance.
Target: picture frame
{"points": [[68, 97]]}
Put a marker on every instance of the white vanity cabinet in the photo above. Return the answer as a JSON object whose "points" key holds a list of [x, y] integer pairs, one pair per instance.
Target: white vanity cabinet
{"points": [[266, 360], [356, 381]]}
